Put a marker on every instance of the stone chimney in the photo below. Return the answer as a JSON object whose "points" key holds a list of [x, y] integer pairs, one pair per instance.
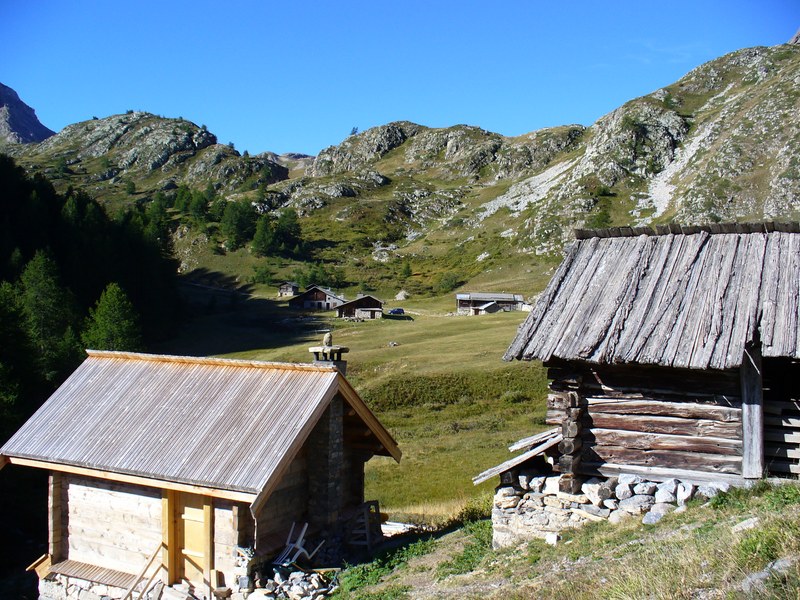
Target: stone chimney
{"points": [[330, 355]]}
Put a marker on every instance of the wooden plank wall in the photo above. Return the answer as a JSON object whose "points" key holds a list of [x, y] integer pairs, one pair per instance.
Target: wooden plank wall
{"points": [[114, 525], [653, 417]]}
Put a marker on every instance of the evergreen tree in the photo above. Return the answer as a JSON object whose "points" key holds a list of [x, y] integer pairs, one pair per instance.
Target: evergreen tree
{"points": [[264, 238], [113, 323], [48, 315], [405, 272], [237, 223], [287, 229]]}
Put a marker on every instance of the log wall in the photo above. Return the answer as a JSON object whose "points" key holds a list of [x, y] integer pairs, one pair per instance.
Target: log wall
{"points": [[115, 525], [646, 417]]}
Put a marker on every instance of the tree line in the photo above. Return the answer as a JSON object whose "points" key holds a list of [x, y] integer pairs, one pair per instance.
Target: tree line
{"points": [[73, 278]]}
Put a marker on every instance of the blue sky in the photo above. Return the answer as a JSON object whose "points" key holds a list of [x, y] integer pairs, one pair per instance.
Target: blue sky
{"points": [[297, 76]]}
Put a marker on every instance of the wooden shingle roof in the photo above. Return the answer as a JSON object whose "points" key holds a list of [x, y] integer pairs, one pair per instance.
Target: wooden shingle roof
{"points": [[690, 300], [217, 423]]}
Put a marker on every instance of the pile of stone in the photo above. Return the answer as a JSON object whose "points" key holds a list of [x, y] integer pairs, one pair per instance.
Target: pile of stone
{"points": [[297, 585], [533, 506]]}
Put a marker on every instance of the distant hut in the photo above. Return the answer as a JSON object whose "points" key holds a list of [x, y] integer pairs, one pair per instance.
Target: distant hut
{"points": [[316, 298], [481, 303], [363, 307], [673, 353], [191, 463], [287, 289]]}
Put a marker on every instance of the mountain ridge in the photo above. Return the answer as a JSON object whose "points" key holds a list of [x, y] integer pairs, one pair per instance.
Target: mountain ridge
{"points": [[719, 144], [18, 121]]}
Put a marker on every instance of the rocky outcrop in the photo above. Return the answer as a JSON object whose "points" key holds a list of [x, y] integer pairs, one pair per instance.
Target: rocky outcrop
{"points": [[362, 149], [142, 146], [721, 144], [18, 121]]}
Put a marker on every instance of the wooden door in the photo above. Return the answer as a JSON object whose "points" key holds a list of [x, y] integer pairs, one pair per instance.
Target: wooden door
{"points": [[190, 534]]}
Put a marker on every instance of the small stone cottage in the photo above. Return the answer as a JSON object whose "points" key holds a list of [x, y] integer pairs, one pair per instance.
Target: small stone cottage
{"points": [[316, 298], [193, 463], [672, 356]]}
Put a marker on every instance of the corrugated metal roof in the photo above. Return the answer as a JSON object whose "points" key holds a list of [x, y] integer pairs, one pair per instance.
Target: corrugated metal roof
{"points": [[690, 301], [218, 423]]}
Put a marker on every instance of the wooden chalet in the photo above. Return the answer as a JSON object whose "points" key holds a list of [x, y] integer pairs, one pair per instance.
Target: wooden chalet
{"points": [[181, 462], [316, 298], [481, 303], [363, 307], [673, 353], [287, 289]]}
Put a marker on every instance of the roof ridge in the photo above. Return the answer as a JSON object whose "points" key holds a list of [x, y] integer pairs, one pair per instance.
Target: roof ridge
{"points": [[210, 360], [677, 229]]}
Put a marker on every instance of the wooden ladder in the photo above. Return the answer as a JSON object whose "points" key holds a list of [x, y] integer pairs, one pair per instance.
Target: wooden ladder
{"points": [[366, 526]]}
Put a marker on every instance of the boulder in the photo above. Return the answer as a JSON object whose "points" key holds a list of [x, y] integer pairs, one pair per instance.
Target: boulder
{"points": [[637, 504]]}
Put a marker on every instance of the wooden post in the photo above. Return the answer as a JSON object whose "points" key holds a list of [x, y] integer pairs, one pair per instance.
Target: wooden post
{"points": [[208, 522], [169, 549], [55, 521], [752, 414]]}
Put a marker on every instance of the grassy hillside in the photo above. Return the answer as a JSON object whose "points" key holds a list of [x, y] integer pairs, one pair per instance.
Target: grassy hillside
{"points": [[725, 548]]}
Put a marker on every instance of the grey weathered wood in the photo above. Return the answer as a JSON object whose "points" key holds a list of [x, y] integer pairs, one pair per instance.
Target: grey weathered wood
{"points": [[752, 415], [686, 410], [686, 298], [715, 463], [668, 425], [658, 473], [653, 441], [532, 440], [510, 464]]}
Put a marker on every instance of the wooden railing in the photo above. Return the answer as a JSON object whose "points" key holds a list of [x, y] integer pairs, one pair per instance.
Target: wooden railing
{"points": [[129, 594]]}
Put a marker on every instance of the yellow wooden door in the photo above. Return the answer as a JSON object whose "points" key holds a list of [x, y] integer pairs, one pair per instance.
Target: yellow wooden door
{"points": [[191, 537]]}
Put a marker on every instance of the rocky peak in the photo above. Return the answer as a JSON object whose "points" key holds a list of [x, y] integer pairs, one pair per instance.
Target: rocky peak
{"points": [[361, 149], [795, 38], [18, 121]]}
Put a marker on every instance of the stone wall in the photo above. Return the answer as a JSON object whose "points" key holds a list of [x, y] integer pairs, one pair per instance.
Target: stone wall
{"points": [[533, 507]]}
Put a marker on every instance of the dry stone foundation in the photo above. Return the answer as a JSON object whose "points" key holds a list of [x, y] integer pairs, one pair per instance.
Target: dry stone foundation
{"points": [[533, 507]]}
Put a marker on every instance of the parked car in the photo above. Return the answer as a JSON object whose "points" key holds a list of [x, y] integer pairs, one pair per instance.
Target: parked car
{"points": [[397, 311]]}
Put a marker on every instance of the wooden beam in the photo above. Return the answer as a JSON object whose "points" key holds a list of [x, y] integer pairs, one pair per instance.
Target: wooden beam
{"points": [[208, 542], [658, 473], [667, 425], [532, 440], [752, 414], [661, 441], [687, 410], [135, 479], [55, 522], [41, 565], [518, 460], [169, 562]]}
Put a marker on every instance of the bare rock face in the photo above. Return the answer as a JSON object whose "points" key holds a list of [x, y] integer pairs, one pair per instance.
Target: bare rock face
{"points": [[140, 145], [362, 149], [18, 122]]}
